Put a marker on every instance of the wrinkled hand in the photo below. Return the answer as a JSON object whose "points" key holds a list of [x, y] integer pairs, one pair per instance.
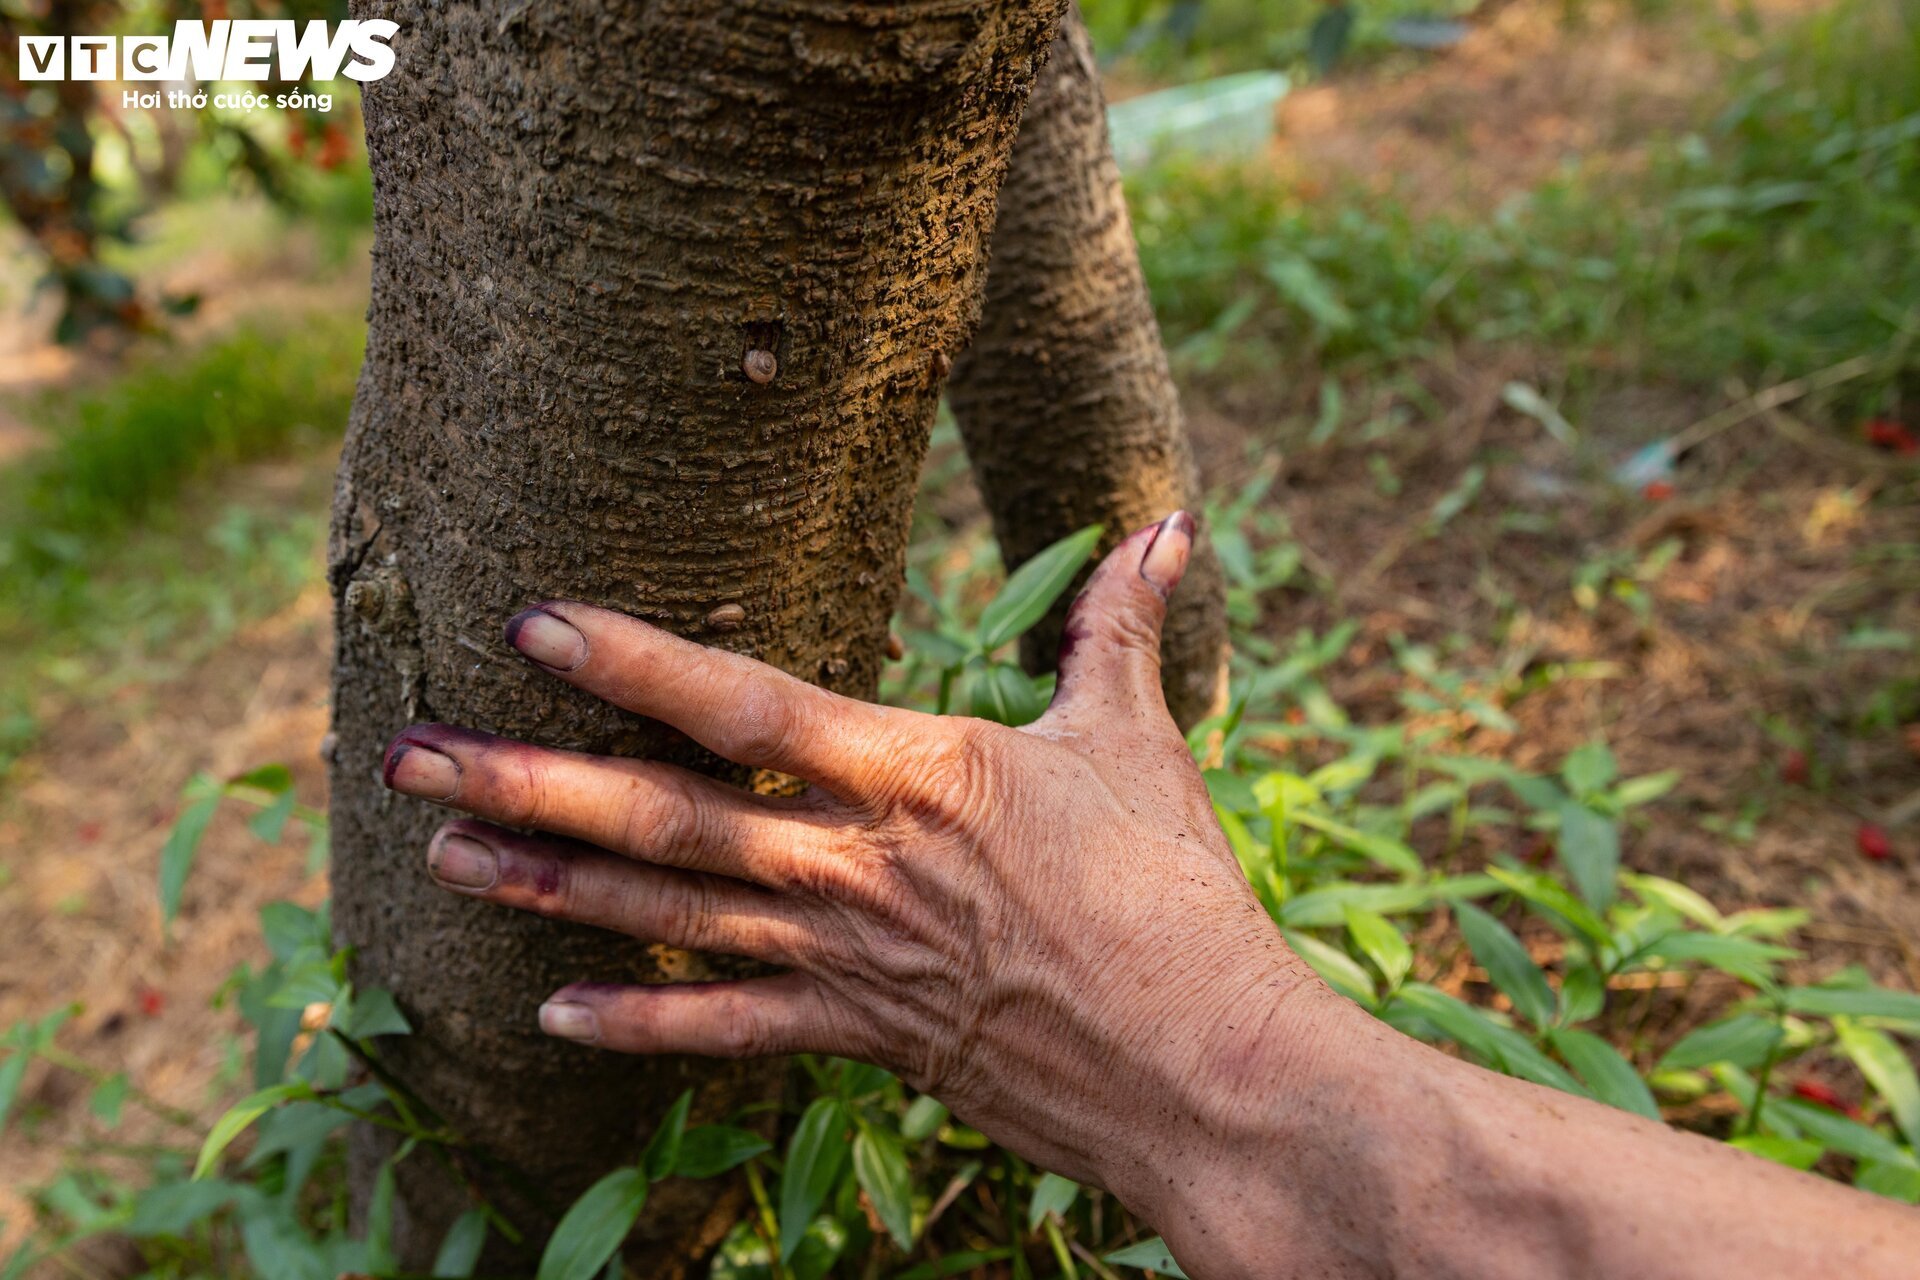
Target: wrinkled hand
{"points": [[1043, 927]]}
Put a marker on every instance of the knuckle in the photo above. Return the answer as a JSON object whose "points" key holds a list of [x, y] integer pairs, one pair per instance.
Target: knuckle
{"points": [[762, 725], [1133, 625], [521, 782], [684, 917], [742, 1030], [661, 817], [833, 879], [952, 772]]}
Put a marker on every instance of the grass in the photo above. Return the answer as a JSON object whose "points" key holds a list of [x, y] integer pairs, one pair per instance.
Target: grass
{"points": [[1777, 239], [1181, 40], [122, 543]]}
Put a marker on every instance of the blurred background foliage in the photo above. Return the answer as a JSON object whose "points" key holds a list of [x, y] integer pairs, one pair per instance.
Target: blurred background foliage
{"points": [[77, 169]]}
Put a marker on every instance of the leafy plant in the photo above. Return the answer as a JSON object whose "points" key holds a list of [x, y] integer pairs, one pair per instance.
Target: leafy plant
{"points": [[963, 655]]}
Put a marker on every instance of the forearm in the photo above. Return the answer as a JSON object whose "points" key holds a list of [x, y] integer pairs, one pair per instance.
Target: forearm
{"points": [[1383, 1157]]}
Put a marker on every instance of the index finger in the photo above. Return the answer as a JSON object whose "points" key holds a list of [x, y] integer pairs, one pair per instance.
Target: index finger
{"points": [[743, 710]]}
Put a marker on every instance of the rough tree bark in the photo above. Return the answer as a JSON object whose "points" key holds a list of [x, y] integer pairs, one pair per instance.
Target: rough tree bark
{"points": [[1065, 401], [661, 300]]}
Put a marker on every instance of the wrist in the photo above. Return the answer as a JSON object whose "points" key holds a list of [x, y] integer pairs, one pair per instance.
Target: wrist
{"points": [[1234, 1163]]}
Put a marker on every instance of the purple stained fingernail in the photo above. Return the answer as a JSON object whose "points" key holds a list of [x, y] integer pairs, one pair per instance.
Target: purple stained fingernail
{"points": [[548, 639], [463, 863], [1166, 559], [414, 770]]}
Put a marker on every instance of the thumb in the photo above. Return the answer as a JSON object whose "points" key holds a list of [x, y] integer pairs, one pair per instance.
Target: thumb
{"points": [[1110, 646]]}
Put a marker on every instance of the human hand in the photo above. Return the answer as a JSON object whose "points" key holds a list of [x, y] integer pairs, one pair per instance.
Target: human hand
{"points": [[1043, 927]]}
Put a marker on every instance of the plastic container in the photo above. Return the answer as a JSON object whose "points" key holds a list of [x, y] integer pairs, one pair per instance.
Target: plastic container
{"points": [[1224, 118]]}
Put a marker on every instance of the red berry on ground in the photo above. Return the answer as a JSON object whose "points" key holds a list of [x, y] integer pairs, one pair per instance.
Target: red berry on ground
{"points": [[1815, 1091], [1873, 841], [89, 832], [151, 1000], [1658, 491], [1885, 433], [1794, 769]]}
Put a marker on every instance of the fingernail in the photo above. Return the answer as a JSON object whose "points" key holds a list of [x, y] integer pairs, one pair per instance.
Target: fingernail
{"points": [[1166, 558], [461, 862], [569, 1021], [548, 640], [415, 770]]}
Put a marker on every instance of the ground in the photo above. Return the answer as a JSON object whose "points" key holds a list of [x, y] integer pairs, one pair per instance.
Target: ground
{"points": [[1749, 658]]}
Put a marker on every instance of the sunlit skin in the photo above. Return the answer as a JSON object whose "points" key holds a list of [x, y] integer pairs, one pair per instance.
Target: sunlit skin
{"points": [[1045, 928]]}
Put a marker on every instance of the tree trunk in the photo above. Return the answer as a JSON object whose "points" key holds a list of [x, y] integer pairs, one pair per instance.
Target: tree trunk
{"points": [[660, 297], [1065, 401]]}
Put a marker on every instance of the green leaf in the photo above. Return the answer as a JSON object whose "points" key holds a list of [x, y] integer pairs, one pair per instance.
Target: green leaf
{"points": [[1555, 899], [1767, 922], [663, 1148], [1838, 1133], [709, 1150], [273, 778], [109, 1096], [1003, 693], [1589, 848], [1507, 963], [1230, 791], [1381, 942], [375, 1014], [1536, 792], [314, 982], [1610, 1076], [1748, 959], [1745, 1040], [1054, 1195], [380, 1259], [1888, 1069], [925, 1115], [176, 858], [1896, 1182], [288, 928], [1335, 967], [295, 1125], [241, 1115], [880, 1165], [942, 651], [1302, 285], [460, 1250], [595, 1226], [1854, 1002], [1588, 768], [1392, 854], [1148, 1255], [1502, 1046], [1033, 587], [271, 822], [1795, 1153], [815, 1156], [1677, 898], [954, 1263], [12, 1072], [1325, 907], [1583, 993], [173, 1209], [1344, 774], [1645, 789]]}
